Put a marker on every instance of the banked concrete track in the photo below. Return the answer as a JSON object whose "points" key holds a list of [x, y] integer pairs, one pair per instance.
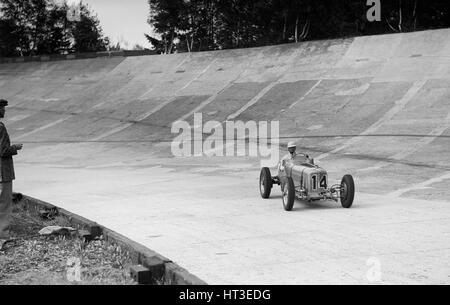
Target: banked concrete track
{"points": [[97, 142]]}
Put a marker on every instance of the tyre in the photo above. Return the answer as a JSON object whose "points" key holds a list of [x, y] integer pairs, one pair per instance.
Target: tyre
{"points": [[265, 183], [288, 194], [347, 191]]}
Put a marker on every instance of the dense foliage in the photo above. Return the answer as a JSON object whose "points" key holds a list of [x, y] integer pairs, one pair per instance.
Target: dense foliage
{"points": [[36, 27], [196, 25]]}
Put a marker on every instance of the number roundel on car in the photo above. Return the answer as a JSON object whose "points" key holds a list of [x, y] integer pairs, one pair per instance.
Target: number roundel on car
{"points": [[323, 182], [316, 184]]}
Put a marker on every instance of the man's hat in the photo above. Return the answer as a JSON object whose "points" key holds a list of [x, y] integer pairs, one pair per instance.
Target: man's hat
{"points": [[291, 145], [3, 103]]}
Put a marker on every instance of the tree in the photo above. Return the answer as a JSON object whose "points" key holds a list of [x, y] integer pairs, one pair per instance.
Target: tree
{"points": [[87, 33], [35, 27], [57, 37], [27, 21], [222, 24], [166, 17], [8, 40]]}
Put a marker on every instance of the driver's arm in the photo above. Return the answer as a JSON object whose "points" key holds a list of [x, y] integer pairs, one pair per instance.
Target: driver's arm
{"points": [[283, 163]]}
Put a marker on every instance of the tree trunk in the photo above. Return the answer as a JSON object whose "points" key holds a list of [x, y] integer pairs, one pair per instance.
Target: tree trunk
{"points": [[188, 44], [238, 35], [390, 26], [285, 26], [305, 30], [400, 20], [296, 29], [34, 42], [171, 42], [165, 44], [415, 15]]}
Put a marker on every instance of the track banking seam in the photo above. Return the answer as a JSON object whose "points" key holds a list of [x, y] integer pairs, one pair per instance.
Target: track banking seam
{"points": [[161, 105], [44, 127], [147, 114], [399, 106], [142, 97], [433, 135], [266, 89], [421, 185], [170, 100], [167, 140], [69, 115], [306, 94], [95, 116], [424, 141], [88, 115], [198, 76], [312, 149], [254, 100], [213, 97]]}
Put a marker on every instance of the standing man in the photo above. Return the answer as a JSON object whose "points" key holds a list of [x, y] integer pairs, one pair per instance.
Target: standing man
{"points": [[6, 175]]}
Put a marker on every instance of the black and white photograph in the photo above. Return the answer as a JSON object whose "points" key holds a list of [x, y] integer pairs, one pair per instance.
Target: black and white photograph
{"points": [[233, 143]]}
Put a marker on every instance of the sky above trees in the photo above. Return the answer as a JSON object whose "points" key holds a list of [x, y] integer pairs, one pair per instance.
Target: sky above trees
{"points": [[122, 21]]}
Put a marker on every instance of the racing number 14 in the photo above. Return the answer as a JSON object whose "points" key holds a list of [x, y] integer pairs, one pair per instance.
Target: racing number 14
{"points": [[323, 182]]}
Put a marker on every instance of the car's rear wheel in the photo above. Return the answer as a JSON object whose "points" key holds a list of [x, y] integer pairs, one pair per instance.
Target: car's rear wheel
{"points": [[288, 194], [347, 191], [265, 183]]}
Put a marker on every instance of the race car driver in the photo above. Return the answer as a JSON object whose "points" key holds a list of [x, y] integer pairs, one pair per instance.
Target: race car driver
{"points": [[294, 156]]}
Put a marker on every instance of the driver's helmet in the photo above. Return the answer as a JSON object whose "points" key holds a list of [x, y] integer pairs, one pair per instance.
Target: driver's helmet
{"points": [[291, 145]]}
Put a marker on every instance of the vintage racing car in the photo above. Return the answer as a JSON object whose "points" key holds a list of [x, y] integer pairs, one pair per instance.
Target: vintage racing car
{"points": [[307, 182]]}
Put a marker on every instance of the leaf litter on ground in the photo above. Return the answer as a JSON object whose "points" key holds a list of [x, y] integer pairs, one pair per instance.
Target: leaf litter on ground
{"points": [[29, 258]]}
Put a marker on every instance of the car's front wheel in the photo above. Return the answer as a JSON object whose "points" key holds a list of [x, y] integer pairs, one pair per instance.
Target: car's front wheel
{"points": [[288, 190], [265, 183], [347, 191]]}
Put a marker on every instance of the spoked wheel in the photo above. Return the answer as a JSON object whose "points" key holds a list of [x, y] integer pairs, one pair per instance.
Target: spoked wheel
{"points": [[265, 183], [347, 191], [288, 194]]}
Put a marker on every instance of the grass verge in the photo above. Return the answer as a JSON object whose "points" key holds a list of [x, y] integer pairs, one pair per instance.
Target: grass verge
{"points": [[31, 259]]}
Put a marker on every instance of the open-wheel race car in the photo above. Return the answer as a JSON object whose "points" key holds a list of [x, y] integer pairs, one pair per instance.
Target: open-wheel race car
{"points": [[306, 182]]}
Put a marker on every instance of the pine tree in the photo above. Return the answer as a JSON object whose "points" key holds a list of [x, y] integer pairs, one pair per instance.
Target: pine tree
{"points": [[36, 27]]}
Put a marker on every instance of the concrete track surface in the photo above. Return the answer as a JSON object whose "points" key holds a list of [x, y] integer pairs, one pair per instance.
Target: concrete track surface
{"points": [[97, 142]]}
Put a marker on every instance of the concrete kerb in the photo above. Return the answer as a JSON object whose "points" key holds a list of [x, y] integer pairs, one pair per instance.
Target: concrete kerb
{"points": [[163, 271]]}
